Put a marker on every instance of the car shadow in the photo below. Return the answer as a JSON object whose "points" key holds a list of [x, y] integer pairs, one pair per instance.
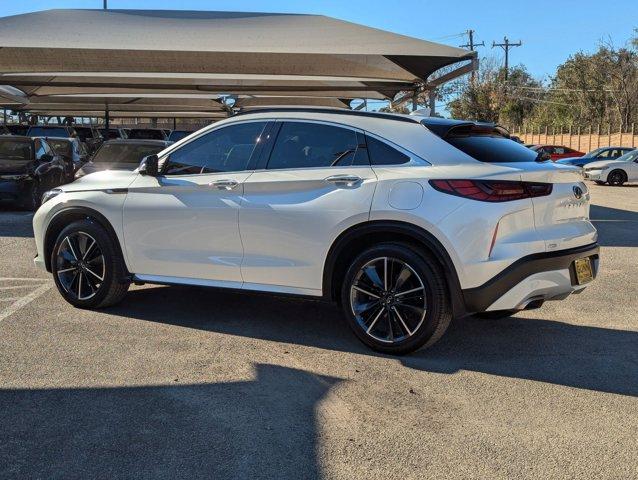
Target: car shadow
{"points": [[586, 357], [616, 227], [261, 428]]}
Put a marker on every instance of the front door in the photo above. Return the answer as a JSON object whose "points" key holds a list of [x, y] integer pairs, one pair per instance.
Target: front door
{"points": [[316, 182], [183, 224]]}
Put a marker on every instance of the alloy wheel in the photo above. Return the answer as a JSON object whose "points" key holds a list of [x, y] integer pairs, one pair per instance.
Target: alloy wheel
{"points": [[80, 265], [616, 178], [388, 299]]}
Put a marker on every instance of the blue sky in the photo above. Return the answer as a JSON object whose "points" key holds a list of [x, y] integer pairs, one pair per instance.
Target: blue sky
{"points": [[550, 30]]}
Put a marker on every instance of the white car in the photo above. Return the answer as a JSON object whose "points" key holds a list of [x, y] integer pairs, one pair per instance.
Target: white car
{"points": [[405, 221], [614, 172]]}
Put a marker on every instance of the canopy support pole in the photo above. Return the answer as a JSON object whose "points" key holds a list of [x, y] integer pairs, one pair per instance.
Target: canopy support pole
{"points": [[4, 115], [106, 118], [174, 123], [432, 98], [415, 103]]}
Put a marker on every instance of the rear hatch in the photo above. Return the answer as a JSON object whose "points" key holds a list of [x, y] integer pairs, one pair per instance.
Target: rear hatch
{"points": [[16, 156], [560, 218]]}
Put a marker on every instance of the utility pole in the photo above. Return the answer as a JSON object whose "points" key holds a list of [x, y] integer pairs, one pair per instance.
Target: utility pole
{"points": [[506, 45], [106, 4], [471, 45]]}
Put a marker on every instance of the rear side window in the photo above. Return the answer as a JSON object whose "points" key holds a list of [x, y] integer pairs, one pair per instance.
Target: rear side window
{"points": [[15, 149], [307, 145], [493, 149], [381, 153]]}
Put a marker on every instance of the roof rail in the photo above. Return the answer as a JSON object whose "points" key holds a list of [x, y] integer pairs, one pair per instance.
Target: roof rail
{"points": [[336, 111]]}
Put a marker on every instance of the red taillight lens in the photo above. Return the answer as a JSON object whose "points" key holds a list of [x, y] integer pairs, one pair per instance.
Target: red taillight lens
{"points": [[492, 190]]}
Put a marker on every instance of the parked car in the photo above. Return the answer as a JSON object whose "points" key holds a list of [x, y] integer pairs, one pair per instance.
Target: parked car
{"points": [[113, 133], [407, 221], [62, 131], [556, 152], [28, 168], [146, 134], [177, 135], [121, 155], [602, 153], [17, 129], [90, 136], [71, 148], [614, 172]]}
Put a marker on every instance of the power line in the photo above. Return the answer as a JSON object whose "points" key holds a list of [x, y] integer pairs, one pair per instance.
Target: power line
{"points": [[506, 45]]}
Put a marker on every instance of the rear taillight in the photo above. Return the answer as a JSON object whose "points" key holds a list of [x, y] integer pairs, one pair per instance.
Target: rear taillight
{"points": [[492, 190]]}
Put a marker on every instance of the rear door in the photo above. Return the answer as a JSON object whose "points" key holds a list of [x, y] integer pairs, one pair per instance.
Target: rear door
{"points": [[314, 183]]}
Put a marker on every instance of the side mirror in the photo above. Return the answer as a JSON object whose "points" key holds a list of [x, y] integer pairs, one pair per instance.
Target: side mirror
{"points": [[149, 166]]}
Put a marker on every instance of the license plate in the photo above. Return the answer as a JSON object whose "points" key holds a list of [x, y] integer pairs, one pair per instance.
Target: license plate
{"points": [[584, 272]]}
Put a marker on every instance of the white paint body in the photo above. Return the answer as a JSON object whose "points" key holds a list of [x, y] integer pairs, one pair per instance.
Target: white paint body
{"points": [[273, 230]]}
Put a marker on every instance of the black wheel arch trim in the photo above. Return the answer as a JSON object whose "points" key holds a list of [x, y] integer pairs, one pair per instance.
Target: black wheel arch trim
{"points": [[58, 220], [417, 234], [478, 299]]}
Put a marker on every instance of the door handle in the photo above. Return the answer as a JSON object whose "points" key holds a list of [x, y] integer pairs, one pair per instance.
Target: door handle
{"points": [[224, 184], [344, 180]]}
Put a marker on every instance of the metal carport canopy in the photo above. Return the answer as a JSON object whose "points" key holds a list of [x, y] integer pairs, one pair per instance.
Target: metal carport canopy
{"points": [[229, 52]]}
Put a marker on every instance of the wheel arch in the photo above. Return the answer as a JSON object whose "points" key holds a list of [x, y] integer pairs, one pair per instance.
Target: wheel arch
{"points": [[367, 234], [71, 214]]}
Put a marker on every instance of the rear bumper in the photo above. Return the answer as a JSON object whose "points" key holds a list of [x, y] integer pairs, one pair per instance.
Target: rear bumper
{"points": [[541, 276]]}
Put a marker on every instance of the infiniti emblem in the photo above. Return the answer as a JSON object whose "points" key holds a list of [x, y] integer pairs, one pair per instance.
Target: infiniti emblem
{"points": [[578, 192]]}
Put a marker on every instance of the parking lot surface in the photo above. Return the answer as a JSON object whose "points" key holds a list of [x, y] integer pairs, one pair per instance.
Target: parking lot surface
{"points": [[193, 383]]}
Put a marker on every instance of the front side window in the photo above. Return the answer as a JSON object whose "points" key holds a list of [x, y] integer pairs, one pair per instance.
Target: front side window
{"points": [[227, 149], [11, 149], [307, 145]]}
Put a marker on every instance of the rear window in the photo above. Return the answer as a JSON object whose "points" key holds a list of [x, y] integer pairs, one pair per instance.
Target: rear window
{"points": [[492, 148], [144, 134], [16, 149], [48, 132], [381, 153], [123, 153]]}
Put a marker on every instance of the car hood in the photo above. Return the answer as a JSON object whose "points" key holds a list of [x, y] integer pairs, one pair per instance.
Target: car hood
{"points": [[604, 163], [105, 179]]}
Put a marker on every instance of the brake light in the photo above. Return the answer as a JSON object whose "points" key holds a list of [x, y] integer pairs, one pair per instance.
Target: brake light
{"points": [[492, 190]]}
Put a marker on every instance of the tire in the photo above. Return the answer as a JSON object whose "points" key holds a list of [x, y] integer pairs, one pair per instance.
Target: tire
{"points": [[385, 319], [616, 178], [88, 275], [33, 198], [599, 182], [495, 314]]}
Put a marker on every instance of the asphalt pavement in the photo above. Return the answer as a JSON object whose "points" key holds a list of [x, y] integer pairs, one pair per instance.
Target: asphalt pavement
{"points": [[180, 382]]}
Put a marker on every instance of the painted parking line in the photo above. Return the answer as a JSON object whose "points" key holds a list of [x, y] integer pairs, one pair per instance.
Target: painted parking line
{"points": [[21, 301]]}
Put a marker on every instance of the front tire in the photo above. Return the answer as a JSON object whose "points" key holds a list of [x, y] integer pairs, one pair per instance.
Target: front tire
{"points": [[395, 299], [87, 266], [616, 178]]}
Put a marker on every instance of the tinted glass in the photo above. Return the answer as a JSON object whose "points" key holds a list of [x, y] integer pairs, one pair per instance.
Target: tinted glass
{"points": [[381, 153], [61, 147], [629, 157], [304, 145], [125, 153], [15, 149], [48, 132], [84, 133], [146, 134], [178, 135], [227, 149], [112, 134], [493, 149]]}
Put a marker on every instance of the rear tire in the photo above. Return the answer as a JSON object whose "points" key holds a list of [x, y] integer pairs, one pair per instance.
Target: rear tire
{"points": [[616, 178], [395, 300], [33, 198], [87, 266]]}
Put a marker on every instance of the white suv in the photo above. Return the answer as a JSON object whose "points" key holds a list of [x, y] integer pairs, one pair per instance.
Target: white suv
{"points": [[405, 221]]}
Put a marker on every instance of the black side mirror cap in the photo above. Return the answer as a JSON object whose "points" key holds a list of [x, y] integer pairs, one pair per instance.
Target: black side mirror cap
{"points": [[149, 166]]}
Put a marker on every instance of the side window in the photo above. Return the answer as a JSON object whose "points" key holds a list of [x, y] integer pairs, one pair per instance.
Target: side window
{"points": [[306, 145], [227, 149], [383, 154], [559, 150], [604, 154], [40, 148]]}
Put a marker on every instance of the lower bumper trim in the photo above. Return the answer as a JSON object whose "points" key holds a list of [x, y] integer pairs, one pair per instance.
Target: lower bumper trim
{"points": [[478, 299]]}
